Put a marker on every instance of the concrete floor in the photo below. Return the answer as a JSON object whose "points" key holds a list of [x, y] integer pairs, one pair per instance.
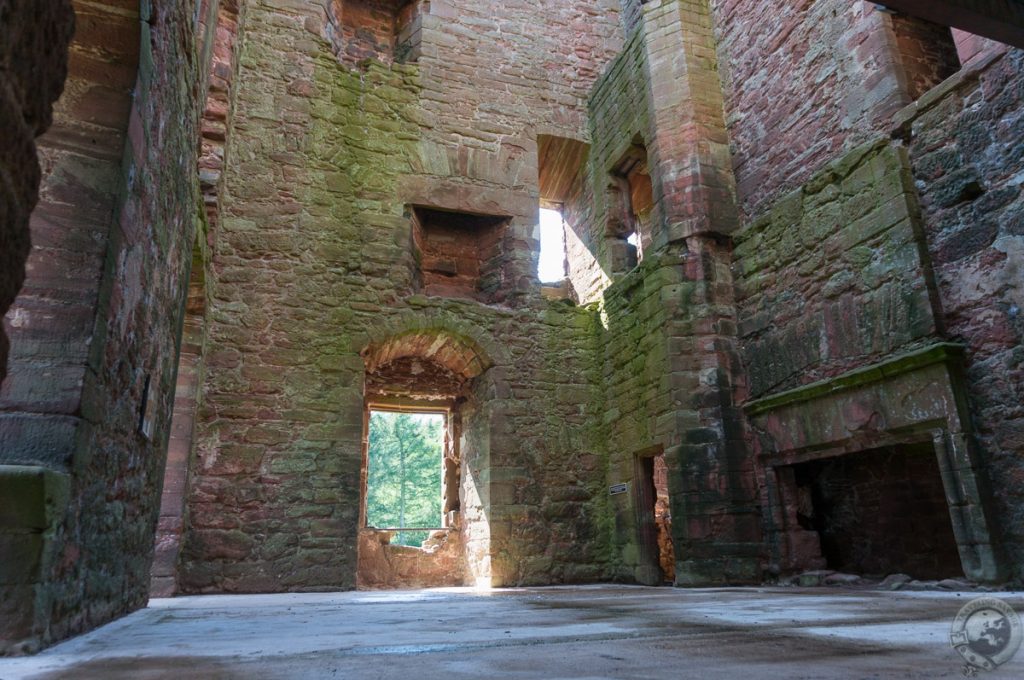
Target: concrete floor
{"points": [[578, 632]]}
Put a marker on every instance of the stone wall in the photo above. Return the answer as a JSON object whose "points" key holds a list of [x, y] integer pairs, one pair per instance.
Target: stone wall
{"points": [[315, 261], [53, 319], [964, 141], [832, 277], [809, 80], [666, 343], [33, 65], [102, 313], [639, 411], [618, 115], [117, 470]]}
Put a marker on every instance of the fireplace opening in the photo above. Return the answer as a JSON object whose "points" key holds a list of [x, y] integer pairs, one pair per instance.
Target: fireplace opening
{"points": [[879, 512]]}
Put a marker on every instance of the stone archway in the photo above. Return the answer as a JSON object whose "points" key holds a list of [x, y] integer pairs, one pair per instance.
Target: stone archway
{"points": [[461, 359]]}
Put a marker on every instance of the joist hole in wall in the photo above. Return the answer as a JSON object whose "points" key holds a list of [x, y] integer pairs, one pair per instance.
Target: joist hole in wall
{"points": [[460, 254], [384, 30], [926, 51]]}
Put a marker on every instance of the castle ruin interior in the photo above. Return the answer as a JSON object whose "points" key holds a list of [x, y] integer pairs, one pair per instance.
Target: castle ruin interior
{"points": [[777, 340]]}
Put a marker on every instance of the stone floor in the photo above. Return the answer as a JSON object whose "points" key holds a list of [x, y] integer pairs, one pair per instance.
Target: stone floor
{"points": [[570, 632]]}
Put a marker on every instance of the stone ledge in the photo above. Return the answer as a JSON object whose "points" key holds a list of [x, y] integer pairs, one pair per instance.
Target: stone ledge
{"points": [[942, 352], [971, 72]]}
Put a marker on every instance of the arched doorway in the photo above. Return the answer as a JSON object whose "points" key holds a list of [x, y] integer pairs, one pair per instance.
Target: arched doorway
{"points": [[412, 378]]}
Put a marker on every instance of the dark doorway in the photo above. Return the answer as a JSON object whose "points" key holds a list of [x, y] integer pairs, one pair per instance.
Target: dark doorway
{"points": [[880, 512], [654, 517]]}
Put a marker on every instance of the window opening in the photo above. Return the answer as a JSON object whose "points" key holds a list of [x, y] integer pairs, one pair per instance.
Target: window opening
{"points": [[632, 205], [551, 265], [404, 474]]}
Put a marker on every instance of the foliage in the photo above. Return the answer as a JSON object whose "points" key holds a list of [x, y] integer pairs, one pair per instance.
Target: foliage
{"points": [[404, 476]]}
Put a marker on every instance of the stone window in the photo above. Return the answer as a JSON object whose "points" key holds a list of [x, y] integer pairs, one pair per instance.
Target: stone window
{"points": [[404, 474], [551, 265], [460, 255], [416, 387], [631, 200]]}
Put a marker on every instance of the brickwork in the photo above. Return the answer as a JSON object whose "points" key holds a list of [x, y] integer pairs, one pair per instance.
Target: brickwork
{"points": [[328, 157], [881, 512], [806, 81], [970, 47], [593, 211], [363, 29], [965, 146], [267, 215], [832, 277], [53, 318], [222, 54], [102, 311], [632, 12], [33, 64], [667, 346], [138, 326]]}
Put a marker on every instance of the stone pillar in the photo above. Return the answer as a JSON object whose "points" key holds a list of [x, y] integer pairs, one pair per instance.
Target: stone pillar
{"points": [[694, 187], [715, 513]]}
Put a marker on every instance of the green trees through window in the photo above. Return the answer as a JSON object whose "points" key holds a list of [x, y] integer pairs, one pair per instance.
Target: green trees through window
{"points": [[403, 489]]}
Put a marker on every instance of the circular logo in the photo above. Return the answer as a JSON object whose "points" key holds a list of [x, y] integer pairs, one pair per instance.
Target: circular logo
{"points": [[986, 633]]}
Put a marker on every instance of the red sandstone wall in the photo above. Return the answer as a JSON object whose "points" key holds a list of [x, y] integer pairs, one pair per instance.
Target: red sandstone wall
{"points": [[806, 80], [52, 321], [618, 113], [222, 54], [314, 259], [830, 279], [103, 309], [666, 340], [495, 74], [33, 63], [967, 149]]}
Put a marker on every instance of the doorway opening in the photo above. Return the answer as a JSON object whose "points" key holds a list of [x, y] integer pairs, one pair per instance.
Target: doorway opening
{"points": [[879, 512], [654, 515]]}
